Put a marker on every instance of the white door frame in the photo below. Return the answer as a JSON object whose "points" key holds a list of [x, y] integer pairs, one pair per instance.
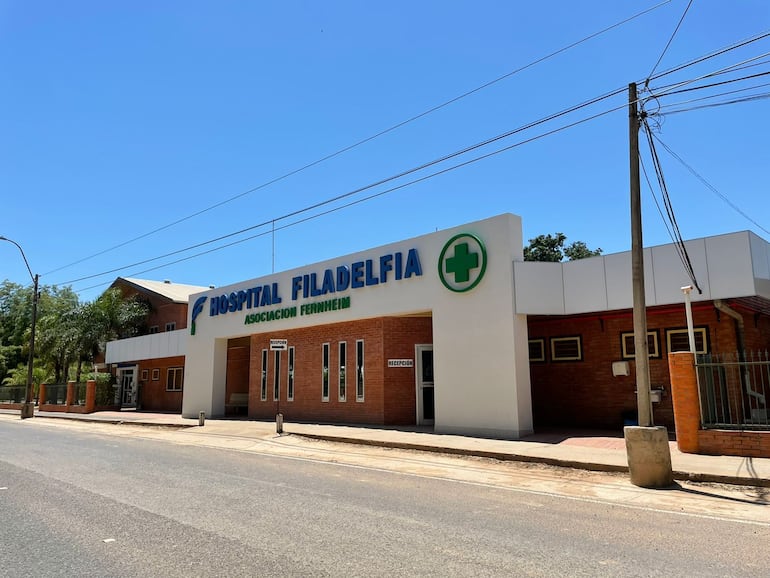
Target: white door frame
{"points": [[419, 384], [134, 384]]}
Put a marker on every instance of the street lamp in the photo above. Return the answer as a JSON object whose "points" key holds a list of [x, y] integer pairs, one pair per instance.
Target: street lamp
{"points": [[28, 408]]}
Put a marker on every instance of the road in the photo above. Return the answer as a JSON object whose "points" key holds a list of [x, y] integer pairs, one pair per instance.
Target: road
{"points": [[104, 500]]}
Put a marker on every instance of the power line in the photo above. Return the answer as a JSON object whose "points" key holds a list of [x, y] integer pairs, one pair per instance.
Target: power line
{"points": [[711, 187], [342, 196], [375, 195], [719, 52], [752, 98], [679, 241], [369, 138], [448, 157], [670, 40]]}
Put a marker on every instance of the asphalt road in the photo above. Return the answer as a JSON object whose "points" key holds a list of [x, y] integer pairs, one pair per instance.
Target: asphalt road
{"points": [[80, 503]]}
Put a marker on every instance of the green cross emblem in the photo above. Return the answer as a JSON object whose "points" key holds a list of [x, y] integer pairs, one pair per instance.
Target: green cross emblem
{"points": [[462, 263]]}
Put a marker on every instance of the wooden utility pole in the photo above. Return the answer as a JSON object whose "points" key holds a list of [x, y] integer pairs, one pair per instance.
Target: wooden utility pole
{"points": [[641, 355]]}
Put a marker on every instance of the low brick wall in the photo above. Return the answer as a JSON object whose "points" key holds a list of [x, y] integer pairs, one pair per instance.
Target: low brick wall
{"points": [[689, 437], [70, 406]]}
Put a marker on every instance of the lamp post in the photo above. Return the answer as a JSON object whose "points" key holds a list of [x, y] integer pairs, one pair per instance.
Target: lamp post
{"points": [[28, 408]]}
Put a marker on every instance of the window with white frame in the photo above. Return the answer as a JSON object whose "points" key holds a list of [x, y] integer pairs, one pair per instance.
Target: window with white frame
{"points": [[325, 372], [360, 370], [174, 378], [566, 348], [628, 347], [171, 326], [263, 377], [343, 359], [679, 340], [276, 375], [152, 329], [290, 376]]}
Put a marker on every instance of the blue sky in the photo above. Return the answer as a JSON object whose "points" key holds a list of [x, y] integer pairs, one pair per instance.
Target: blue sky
{"points": [[121, 117]]}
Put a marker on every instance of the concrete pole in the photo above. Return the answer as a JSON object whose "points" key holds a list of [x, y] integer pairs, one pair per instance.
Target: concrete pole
{"points": [[641, 356]]}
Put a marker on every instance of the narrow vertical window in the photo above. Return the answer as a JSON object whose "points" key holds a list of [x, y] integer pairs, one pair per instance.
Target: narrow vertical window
{"points": [[343, 361], [277, 376], [325, 373], [360, 370], [263, 382], [290, 377]]}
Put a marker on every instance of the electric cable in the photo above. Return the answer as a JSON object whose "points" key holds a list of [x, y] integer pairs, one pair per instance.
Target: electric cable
{"points": [[407, 172], [711, 187], [670, 40], [455, 154], [679, 242], [369, 138], [369, 197], [752, 98]]}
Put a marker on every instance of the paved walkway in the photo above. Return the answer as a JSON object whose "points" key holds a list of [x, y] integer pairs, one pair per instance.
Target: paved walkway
{"points": [[590, 450]]}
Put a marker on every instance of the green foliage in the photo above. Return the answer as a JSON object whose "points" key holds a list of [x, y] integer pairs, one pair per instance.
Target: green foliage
{"points": [[551, 248], [67, 331]]}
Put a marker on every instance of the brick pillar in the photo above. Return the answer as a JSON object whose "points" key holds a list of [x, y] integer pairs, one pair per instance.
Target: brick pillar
{"points": [[41, 395], [684, 394], [90, 396], [70, 393]]}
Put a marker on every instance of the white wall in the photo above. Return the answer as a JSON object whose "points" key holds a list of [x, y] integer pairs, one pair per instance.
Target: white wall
{"points": [[155, 346], [480, 346], [725, 266]]}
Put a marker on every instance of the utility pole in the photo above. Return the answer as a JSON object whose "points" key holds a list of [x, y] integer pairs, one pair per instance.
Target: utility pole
{"points": [[641, 353], [649, 457], [28, 407]]}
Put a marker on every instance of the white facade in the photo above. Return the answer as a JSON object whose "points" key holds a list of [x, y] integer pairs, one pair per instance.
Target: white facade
{"points": [[480, 349], [726, 267], [153, 346]]}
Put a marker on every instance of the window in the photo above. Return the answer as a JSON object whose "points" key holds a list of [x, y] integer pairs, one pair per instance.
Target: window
{"points": [[360, 370], [343, 359], [174, 379], [144, 375], [263, 377], [537, 349], [153, 329], [325, 372], [677, 340], [566, 349], [155, 374], [290, 377], [277, 376], [628, 348], [170, 326]]}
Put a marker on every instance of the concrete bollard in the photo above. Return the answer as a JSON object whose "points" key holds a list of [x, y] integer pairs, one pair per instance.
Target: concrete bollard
{"points": [[649, 456], [279, 423], [202, 418]]}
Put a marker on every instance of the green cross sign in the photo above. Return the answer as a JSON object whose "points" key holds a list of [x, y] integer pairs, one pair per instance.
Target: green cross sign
{"points": [[462, 263]]}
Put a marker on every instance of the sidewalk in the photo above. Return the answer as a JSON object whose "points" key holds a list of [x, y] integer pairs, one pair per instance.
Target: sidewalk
{"points": [[596, 451]]}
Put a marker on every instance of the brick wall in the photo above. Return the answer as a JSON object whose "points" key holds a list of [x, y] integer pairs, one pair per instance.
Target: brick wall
{"points": [[585, 393], [690, 438], [401, 335], [154, 396], [388, 397]]}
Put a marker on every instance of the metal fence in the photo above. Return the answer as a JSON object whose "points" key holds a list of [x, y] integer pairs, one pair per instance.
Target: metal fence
{"points": [[55, 394], [13, 394], [106, 395], [80, 394], [734, 390]]}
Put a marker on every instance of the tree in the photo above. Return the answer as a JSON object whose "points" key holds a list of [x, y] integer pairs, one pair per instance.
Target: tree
{"points": [[551, 248]]}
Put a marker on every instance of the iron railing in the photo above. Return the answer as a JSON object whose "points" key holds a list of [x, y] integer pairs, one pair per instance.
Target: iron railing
{"points": [[106, 395], [55, 394], [13, 394], [734, 390], [80, 394]]}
